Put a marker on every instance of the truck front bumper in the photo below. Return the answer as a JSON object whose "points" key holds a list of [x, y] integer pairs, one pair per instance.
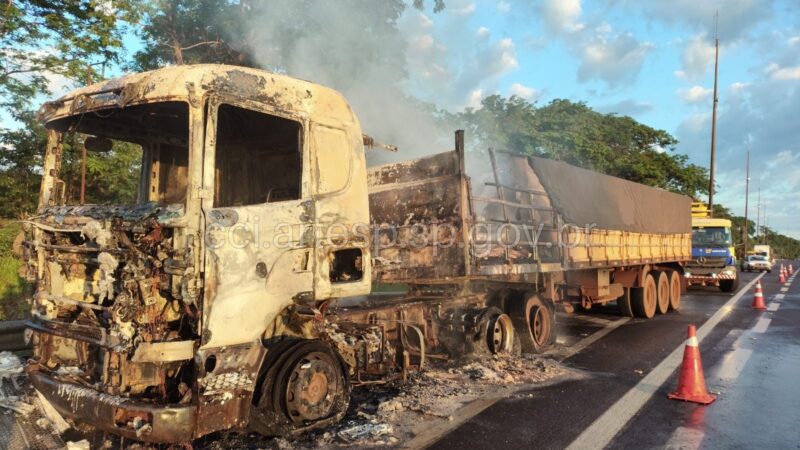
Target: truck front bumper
{"points": [[155, 423], [712, 277]]}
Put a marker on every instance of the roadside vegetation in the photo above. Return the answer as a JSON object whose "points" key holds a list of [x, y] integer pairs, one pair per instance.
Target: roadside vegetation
{"points": [[75, 41], [13, 288]]}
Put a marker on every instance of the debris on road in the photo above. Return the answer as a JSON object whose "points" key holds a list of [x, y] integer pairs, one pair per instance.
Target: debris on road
{"points": [[388, 415]]}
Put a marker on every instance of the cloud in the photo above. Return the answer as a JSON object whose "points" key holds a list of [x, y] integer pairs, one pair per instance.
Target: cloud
{"points": [[759, 115], [627, 107], [445, 65], [613, 58], [736, 17], [462, 9], [738, 87], [783, 73], [528, 93], [606, 54], [697, 57], [503, 7], [475, 97], [562, 15], [694, 94]]}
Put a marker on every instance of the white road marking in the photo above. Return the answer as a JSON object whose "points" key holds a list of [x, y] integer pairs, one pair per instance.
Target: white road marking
{"points": [[773, 306], [761, 325], [784, 289], [733, 363], [685, 438], [605, 427], [779, 296]]}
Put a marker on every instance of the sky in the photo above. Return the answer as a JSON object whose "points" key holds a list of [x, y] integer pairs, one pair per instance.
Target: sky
{"points": [[648, 59]]}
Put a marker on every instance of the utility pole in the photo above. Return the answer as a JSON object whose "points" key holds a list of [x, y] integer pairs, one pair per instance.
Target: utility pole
{"points": [[765, 238], [758, 214], [746, 198], [714, 119]]}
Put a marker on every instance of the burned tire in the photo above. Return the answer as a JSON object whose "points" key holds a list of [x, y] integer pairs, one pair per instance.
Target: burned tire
{"points": [[674, 290], [624, 304], [303, 386], [534, 322], [729, 285], [645, 298], [663, 289]]}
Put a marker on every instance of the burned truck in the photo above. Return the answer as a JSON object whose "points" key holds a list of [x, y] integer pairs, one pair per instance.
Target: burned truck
{"points": [[235, 292]]}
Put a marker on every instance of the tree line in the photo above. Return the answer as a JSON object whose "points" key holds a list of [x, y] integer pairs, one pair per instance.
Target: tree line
{"points": [[77, 42]]}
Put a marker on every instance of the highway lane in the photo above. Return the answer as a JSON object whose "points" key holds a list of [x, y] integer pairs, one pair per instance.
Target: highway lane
{"points": [[557, 415]]}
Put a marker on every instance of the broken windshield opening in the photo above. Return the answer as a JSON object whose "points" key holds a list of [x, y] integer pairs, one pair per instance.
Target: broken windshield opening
{"points": [[136, 154]]}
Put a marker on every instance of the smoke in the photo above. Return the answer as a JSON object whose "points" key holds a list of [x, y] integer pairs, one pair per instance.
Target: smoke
{"points": [[355, 47]]}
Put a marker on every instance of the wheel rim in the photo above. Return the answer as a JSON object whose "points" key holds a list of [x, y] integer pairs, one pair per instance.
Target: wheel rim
{"points": [[540, 325], [675, 295], [311, 387], [650, 298], [663, 294], [500, 334]]}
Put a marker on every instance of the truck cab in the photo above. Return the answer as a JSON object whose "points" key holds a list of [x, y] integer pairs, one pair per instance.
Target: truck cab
{"points": [[713, 258], [251, 187]]}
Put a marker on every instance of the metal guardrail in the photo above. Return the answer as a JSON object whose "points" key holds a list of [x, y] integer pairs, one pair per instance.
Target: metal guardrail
{"points": [[12, 336]]}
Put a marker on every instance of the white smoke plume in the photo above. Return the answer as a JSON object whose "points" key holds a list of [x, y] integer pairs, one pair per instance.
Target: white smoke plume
{"points": [[353, 46]]}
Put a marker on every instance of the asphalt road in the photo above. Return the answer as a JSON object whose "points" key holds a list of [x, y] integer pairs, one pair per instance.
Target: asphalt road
{"points": [[751, 361]]}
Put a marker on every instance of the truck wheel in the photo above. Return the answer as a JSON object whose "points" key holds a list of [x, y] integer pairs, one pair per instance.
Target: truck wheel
{"points": [[662, 284], [645, 298], [533, 320], [674, 290], [624, 304], [499, 333], [305, 386], [729, 285]]}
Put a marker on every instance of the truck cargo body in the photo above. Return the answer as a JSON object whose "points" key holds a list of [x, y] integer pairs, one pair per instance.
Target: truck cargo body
{"points": [[234, 292], [539, 221]]}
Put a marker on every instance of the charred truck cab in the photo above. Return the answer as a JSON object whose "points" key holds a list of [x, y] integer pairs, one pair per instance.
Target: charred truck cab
{"points": [[233, 293], [149, 320]]}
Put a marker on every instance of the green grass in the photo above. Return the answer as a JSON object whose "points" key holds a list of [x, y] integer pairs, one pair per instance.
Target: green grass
{"points": [[13, 288]]}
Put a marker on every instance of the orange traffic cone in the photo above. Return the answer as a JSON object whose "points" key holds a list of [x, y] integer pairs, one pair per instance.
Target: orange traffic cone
{"points": [[758, 298], [781, 279], [692, 384], [791, 270]]}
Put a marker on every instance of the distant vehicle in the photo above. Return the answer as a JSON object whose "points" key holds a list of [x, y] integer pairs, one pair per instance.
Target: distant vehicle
{"points": [[757, 263], [713, 260], [764, 250]]}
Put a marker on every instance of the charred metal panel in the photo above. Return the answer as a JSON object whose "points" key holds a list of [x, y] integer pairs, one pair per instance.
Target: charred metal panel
{"points": [[416, 218]]}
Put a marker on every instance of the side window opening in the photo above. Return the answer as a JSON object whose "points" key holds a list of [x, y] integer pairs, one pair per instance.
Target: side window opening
{"points": [[258, 158]]}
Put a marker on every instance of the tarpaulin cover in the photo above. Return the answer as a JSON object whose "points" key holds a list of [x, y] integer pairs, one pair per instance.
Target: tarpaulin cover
{"points": [[585, 197]]}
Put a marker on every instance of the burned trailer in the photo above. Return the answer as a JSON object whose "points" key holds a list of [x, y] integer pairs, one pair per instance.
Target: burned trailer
{"points": [[234, 292], [526, 236]]}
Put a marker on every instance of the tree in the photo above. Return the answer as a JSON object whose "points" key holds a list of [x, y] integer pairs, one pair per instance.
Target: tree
{"points": [[45, 40], [574, 133], [192, 32]]}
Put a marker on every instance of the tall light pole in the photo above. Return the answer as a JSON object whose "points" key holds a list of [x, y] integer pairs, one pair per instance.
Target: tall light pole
{"points": [[746, 198], [758, 213], [713, 123]]}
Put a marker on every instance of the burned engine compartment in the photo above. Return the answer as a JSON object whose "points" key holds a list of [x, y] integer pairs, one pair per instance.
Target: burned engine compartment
{"points": [[114, 306]]}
